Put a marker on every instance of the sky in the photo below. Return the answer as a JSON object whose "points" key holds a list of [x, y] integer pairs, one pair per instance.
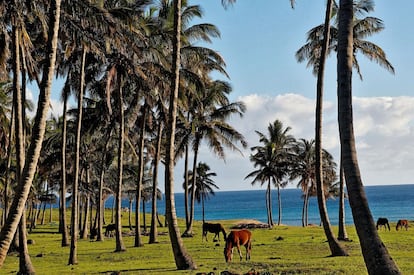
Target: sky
{"points": [[258, 42]]}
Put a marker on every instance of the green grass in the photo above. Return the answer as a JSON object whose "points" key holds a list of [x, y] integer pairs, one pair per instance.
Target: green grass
{"points": [[301, 251]]}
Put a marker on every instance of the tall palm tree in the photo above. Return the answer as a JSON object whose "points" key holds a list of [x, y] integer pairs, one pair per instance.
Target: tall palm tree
{"points": [[29, 169], [335, 247], [209, 122], [376, 256], [73, 254], [274, 159], [263, 159], [204, 184], [183, 260]]}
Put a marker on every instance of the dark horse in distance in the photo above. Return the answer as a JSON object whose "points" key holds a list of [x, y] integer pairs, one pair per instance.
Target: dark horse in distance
{"points": [[215, 228], [383, 222], [238, 238]]}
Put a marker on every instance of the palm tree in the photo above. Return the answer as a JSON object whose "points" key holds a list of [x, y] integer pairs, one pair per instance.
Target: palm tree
{"points": [[209, 117], [182, 259], [335, 247], [274, 159], [362, 28], [29, 169], [204, 184], [376, 256]]}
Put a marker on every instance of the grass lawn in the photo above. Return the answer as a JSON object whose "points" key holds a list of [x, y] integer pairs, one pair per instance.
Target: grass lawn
{"points": [[299, 251]]}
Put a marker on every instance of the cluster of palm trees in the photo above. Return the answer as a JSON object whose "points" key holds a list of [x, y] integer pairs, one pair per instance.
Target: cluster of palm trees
{"points": [[117, 59], [281, 158]]}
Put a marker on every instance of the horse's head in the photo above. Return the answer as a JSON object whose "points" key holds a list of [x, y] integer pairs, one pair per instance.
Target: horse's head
{"points": [[228, 252]]}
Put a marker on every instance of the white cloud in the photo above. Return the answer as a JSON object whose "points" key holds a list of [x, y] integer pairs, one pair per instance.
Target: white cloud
{"points": [[383, 128]]}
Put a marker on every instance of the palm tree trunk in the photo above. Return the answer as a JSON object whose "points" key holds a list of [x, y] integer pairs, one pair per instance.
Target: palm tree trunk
{"points": [[62, 222], [279, 206], [144, 216], [100, 203], [268, 205], [186, 158], [74, 223], [138, 240], [189, 230], [120, 246], [130, 214], [7, 176], [269, 201], [342, 234], [25, 263], [153, 230], [87, 204], [376, 256], [23, 188], [187, 212], [183, 260]]}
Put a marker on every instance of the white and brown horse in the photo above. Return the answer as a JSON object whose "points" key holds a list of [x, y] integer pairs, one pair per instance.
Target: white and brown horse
{"points": [[215, 228], [238, 238], [401, 224]]}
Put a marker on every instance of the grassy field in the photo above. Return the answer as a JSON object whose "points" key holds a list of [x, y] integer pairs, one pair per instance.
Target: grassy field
{"points": [[299, 251]]}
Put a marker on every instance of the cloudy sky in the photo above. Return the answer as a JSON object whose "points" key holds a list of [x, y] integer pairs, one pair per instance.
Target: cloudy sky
{"points": [[259, 40]]}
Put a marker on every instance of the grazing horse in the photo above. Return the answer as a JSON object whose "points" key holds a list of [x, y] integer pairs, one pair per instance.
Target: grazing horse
{"points": [[238, 238], [215, 228], [401, 224], [383, 222], [110, 230]]}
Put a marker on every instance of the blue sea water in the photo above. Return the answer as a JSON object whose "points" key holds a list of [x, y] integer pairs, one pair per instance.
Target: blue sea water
{"points": [[391, 201]]}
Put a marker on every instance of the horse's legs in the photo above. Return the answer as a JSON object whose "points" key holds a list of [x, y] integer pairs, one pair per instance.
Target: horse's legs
{"points": [[238, 249], [248, 250], [215, 236]]}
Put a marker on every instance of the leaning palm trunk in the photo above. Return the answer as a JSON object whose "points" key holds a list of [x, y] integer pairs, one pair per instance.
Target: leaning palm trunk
{"points": [[335, 247], [182, 259], [33, 153], [376, 256], [74, 222], [118, 234]]}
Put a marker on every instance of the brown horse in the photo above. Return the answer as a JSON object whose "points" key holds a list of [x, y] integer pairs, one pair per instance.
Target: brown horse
{"points": [[215, 228], [238, 238], [401, 224]]}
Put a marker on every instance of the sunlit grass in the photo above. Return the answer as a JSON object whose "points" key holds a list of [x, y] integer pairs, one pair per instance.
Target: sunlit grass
{"points": [[300, 251]]}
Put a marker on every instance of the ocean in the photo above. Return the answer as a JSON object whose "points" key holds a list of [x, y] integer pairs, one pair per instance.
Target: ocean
{"points": [[391, 201]]}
